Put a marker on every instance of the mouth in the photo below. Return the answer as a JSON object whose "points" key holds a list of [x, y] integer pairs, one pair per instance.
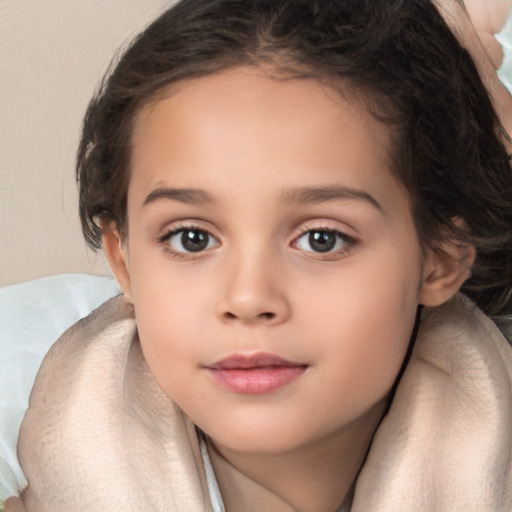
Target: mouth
{"points": [[255, 374]]}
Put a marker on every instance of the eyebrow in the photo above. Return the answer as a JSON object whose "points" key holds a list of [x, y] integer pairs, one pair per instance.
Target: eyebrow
{"points": [[182, 195], [302, 195], [324, 194]]}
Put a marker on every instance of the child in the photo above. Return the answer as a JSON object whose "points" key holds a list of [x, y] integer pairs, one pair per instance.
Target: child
{"points": [[290, 194]]}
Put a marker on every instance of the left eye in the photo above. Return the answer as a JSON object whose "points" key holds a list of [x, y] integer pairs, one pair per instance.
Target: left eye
{"points": [[322, 241], [191, 240]]}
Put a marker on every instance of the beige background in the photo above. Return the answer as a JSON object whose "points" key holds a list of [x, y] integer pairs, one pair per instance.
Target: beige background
{"points": [[52, 54]]}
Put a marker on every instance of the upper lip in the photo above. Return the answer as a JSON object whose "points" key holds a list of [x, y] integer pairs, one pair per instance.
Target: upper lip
{"points": [[260, 360]]}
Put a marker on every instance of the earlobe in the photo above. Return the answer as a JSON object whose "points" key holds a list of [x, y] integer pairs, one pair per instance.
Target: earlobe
{"points": [[444, 272], [116, 255]]}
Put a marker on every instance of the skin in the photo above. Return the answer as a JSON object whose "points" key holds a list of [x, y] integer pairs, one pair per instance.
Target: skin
{"points": [[250, 143], [488, 18], [475, 23]]}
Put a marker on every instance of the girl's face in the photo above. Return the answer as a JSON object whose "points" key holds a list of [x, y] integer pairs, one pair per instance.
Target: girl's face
{"points": [[271, 258]]}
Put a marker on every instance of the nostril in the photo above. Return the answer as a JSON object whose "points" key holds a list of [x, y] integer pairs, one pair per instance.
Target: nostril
{"points": [[264, 316]]}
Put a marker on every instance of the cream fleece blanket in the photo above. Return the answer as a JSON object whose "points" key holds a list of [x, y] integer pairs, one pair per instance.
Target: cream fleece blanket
{"points": [[101, 435]]}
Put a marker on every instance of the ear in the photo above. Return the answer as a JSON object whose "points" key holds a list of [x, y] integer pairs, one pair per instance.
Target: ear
{"points": [[444, 272], [117, 255]]}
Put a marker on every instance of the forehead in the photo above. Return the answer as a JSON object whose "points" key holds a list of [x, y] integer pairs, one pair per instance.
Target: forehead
{"points": [[243, 124]]}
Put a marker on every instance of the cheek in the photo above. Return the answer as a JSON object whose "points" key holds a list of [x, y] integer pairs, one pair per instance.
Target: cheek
{"points": [[172, 348], [374, 329], [372, 296], [363, 325], [169, 314], [172, 312]]}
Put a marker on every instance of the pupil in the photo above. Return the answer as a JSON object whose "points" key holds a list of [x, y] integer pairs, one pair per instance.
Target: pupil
{"points": [[322, 241], [194, 240]]}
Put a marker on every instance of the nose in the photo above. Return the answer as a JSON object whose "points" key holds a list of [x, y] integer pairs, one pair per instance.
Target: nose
{"points": [[253, 292]]}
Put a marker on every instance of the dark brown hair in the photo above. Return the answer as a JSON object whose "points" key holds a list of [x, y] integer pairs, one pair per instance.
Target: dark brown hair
{"points": [[400, 58]]}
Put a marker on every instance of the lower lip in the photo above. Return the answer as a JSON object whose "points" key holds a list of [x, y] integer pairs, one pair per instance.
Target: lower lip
{"points": [[256, 381]]}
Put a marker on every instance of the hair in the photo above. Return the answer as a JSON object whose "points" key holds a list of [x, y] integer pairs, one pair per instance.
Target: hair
{"points": [[397, 56]]}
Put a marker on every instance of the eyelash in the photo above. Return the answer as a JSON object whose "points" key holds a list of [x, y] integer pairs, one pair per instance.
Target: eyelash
{"points": [[165, 239], [349, 242]]}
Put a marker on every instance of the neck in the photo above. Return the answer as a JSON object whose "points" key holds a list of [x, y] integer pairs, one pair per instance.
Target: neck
{"points": [[314, 477]]}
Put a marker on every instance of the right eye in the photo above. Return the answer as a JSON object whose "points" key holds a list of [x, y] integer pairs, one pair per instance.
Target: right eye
{"points": [[190, 240], [324, 241]]}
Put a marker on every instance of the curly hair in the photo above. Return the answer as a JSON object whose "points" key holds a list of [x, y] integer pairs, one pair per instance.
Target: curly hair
{"points": [[397, 56]]}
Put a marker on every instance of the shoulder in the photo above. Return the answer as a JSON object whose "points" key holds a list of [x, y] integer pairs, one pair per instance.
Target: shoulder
{"points": [[99, 432], [449, 422], [33, 314], [459, 337], [86, 357], [90, 343]]}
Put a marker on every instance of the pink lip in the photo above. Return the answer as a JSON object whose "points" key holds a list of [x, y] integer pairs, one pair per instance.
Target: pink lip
{"points": [[255, 374]]}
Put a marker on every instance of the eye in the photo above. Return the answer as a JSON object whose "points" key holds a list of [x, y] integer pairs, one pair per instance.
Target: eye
{"points": [[322, 241], [190, 240]]}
